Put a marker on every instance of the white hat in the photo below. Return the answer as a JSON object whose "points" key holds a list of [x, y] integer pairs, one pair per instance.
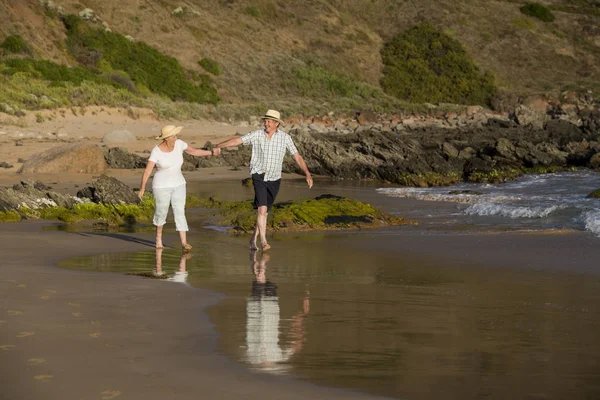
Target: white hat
{"points": [[169, 130], [274, 115]]}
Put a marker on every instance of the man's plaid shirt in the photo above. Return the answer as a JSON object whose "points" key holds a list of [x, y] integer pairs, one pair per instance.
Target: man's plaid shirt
{"points": [[267, 154]]}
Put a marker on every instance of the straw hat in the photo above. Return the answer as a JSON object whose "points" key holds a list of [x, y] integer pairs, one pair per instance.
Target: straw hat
{"points": [[274, 115], [169, 130]]}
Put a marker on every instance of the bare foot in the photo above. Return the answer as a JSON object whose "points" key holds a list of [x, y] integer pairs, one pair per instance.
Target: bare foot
{"points": [[266, 247], [159, 245], [253, 244]]}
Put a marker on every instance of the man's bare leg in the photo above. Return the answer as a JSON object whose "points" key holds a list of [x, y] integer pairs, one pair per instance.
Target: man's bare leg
{"points": [[159, 243], [254, 238], [261, 223]]}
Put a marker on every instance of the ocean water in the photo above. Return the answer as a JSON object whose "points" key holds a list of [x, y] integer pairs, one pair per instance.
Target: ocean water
{"points": [[534, 202], [491, 296]]}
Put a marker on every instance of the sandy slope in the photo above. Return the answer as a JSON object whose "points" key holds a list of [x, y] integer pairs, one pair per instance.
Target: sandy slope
{"points": [[18, 142]]}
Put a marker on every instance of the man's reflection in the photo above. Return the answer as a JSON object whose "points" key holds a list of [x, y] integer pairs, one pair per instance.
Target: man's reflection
{"points": [[180, 275], [262, 321]]}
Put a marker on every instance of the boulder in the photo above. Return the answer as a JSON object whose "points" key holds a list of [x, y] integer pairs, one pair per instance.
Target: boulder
{"points": [[73, 158], [119, 136], [108, 190], [120, 158]]}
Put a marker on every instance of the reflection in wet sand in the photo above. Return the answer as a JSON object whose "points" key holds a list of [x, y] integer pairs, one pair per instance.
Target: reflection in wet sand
{"points": [[263, 348], [180, 276]]}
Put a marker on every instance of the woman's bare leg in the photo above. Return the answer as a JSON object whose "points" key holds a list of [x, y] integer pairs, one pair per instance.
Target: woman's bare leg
{"points": [[159, 243]]}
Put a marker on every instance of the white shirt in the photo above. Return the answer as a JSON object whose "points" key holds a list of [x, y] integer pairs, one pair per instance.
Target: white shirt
{"points": [[168, 165], [267, 154]]}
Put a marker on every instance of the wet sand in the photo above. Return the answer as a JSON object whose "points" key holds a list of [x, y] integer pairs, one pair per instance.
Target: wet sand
{"points": [[79, 335], [69, 334]]}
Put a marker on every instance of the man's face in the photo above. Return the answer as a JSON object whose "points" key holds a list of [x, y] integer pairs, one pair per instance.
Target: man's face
{"points": [[270, 125]]}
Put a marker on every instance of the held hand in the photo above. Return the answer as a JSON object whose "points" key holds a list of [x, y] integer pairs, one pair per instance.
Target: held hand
{"points": [[309, 181], [141, 194], [216, 151]]}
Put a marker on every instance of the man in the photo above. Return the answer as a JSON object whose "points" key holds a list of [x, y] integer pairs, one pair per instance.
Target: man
{"points": [[268, 149]]}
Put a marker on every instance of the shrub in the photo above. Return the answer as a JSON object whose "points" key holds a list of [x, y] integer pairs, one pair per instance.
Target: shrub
{"points": [[538, 11], [145, 65], [253, 11], [15, 44], [210, 65], [48, 70], [424, 65]]}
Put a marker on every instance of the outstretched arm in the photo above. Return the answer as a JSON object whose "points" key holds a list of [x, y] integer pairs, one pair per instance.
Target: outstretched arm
{"points": [[302, 165], [145, 176], [202, 153], [234, 141]]}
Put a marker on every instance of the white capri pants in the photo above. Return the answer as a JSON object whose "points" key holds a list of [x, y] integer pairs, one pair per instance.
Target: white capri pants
{"points": [[174, 196]]}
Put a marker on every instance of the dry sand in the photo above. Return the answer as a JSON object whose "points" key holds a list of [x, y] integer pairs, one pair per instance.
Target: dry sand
{"points": [[22, 142]]}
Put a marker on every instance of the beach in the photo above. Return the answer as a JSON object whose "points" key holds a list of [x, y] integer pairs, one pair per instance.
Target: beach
{"points": [[463, 314]]}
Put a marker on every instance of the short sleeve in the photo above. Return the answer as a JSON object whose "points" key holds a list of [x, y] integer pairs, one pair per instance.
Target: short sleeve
{"points": [[182, 145], [290, 146], [154, 155], [249, 137]]}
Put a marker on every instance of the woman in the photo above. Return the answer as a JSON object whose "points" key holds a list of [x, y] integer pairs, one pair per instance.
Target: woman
{"points": [[168, 185]]}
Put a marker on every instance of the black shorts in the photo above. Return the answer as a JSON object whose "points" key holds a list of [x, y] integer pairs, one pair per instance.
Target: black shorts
{"points": [[264, 191]]}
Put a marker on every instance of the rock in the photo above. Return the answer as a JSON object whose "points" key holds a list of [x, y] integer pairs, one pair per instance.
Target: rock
{"points": [[118, 137], [120, 158], [108, 190], [525, 116], [75, 158], [595, 194], [33, 195], [595, 161]]}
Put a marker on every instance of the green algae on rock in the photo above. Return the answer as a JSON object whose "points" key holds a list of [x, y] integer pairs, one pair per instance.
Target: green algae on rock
{"points": [[595, 194], [326, 212]]}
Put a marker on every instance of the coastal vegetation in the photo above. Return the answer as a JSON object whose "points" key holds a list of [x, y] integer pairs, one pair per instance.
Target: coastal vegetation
{"points": [[425, 65], [538, 11], [387, 56], [321, 213]]}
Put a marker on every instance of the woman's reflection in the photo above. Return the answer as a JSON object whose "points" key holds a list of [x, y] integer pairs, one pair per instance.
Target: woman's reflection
{"points": [[180, 275], [262, 321]]}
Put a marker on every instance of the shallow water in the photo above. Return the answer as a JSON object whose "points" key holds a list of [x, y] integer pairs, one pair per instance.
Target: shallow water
{"points": [[327, 309], [405, 312]]}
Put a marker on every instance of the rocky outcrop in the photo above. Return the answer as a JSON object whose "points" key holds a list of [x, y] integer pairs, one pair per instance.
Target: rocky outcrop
{"points": [[33, 195], [108, 190], [493, 152]]}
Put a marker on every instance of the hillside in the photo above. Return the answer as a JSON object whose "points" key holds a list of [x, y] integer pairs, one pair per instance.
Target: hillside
{"points": [[285, 53]]}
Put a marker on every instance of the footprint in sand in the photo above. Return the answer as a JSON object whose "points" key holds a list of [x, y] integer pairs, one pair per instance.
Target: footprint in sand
{"points": [[77, 314], [43, 378], [36, 361], [110, 394], [14, 312], [95, 335], [7, 347], [25, 334]]}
